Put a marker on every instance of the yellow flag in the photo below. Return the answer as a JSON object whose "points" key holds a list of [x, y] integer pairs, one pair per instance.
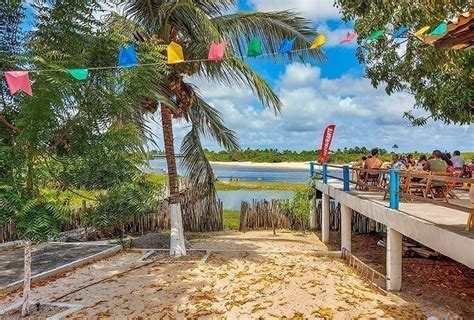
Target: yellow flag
{"points": [[175, 53], [318, 42], [422, 31]]}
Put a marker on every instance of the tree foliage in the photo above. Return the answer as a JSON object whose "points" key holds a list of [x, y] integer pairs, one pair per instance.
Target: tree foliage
{"points": [[441, 81]]}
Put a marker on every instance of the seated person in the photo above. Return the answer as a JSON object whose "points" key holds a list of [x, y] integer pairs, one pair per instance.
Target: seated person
{"points": [[436, 164], [373, 162], [457, 160], [397, 163], [421, 162], [410, 161], [360, 163], [446, 157]]}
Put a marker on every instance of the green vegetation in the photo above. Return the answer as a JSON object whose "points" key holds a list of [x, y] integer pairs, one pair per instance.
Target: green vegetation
{"points": [[440, 79], [340, 156], [231, 219]]}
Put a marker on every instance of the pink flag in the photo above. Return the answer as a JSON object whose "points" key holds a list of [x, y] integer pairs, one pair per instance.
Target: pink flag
{"points": [[18, 80], [349, 37], [216, 51]]}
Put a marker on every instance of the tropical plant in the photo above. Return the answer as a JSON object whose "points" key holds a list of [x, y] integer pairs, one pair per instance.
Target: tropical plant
{"points": [[194, 25], [441, 81], [121, 204], [67, 127]]}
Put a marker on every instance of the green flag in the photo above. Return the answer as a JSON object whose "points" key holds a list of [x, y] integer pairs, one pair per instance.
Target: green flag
{"points": [[376, 34], [78, 74], [255, 48]]}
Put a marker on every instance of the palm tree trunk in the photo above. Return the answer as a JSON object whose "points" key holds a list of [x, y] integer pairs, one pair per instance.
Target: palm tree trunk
{"points": [[25, 308], [177, 246]]}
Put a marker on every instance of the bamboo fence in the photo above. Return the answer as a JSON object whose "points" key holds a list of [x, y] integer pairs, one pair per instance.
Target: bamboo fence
{"points": [[266, 214]]}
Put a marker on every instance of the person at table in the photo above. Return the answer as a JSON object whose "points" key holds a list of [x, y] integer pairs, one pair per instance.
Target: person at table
{"points": [[436, 164], [446, 157], [397, 163], [421, 162], [373, 162], [410, 161], [457, 160]]}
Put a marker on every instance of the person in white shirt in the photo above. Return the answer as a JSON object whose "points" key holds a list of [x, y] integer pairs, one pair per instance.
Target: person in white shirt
{"points": [[457, 160], [397, 163]]}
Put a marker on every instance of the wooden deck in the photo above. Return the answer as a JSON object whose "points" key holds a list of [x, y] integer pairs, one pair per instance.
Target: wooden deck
{"points": [[440, 228]]}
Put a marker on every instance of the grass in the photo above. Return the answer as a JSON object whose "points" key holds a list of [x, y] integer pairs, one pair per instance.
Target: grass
{"points": [[157, 178], [251, 185], [231, 219]]}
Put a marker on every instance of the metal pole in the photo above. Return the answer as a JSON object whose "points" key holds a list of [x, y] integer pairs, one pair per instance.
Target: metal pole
{"points": [[345, 176], [325, 173], [394, 189]]}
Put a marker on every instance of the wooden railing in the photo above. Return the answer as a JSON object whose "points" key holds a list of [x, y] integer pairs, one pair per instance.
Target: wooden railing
{"points": [[391, 183]]}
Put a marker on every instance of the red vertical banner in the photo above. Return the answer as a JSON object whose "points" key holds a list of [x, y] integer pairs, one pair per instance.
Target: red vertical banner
{"points": [[326, 143]]}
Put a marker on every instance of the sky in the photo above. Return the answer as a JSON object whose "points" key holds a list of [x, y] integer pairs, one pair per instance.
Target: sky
{"points": [[317, 94]]}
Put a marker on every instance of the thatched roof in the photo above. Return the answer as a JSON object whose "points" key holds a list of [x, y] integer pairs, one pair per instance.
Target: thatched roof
{"points": [[459, 34]]}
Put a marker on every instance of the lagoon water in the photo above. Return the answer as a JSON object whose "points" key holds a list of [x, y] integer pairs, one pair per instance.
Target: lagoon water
{"points": [[242, 173], [232, 199]]}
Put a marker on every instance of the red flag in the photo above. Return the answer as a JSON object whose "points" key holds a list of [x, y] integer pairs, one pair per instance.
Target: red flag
{"points": [[18, 80], [326, 143]]}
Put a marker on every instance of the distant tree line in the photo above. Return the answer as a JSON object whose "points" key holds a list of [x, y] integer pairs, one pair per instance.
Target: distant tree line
{"points": [[274, 155]]}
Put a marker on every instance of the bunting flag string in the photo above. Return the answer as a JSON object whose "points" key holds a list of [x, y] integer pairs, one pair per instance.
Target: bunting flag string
{"points": [[127, 56]]}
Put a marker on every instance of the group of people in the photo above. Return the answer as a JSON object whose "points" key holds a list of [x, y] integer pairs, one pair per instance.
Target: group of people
{"points": [[438, 162]]}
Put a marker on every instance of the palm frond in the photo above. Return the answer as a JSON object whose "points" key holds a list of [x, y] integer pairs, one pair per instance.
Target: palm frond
{"points": [[271, 27], [209, 123]]}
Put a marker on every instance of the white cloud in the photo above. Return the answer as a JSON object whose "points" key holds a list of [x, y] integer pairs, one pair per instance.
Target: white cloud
{"points": [[363, 115], [320, 10]]}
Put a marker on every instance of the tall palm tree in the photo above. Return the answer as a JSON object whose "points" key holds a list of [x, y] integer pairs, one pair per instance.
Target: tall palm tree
{"points": [[194, 24]]}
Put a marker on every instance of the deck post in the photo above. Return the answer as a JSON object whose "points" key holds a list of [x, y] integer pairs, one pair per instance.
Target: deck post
{"points": [[312, 213], [325, 219], [346, 227], [394, 189], [345, 176], [394, 260], [325, 173], [311, 169]]}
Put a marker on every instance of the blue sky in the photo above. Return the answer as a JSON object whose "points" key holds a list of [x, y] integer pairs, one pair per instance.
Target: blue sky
{"points": [[317, 94]]}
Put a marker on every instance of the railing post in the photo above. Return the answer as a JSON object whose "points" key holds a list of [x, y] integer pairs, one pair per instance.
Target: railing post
{"points": [[311, 169], [325, 173], [394, 189], [345, 176]]}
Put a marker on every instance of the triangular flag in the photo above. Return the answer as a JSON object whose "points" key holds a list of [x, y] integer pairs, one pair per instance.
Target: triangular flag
{"points": [[318, 41], [128, 56], [175, 53], [349, 37], [255, 47], [376, 34], [422, 31], [400, 32], [216, 51], [287, 45], [439, 30], [18, 80], [78, 74]]}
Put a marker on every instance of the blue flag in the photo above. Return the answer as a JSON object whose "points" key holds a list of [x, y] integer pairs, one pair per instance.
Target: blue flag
{"points": [[400, 32], [128, 56], [440, 30], [287, 45]]}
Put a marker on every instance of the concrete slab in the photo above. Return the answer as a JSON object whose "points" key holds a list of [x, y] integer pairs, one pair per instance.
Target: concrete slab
{"points": [[45, 257]]}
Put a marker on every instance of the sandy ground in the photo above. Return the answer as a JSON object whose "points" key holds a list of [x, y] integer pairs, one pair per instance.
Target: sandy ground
{"points": [[234, 285]]}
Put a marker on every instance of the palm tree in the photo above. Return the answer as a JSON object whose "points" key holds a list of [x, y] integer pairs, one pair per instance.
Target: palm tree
{"points": [[194, 25]]}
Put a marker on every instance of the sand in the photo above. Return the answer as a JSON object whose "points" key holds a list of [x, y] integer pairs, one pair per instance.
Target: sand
{"points": [[234, 285]]}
